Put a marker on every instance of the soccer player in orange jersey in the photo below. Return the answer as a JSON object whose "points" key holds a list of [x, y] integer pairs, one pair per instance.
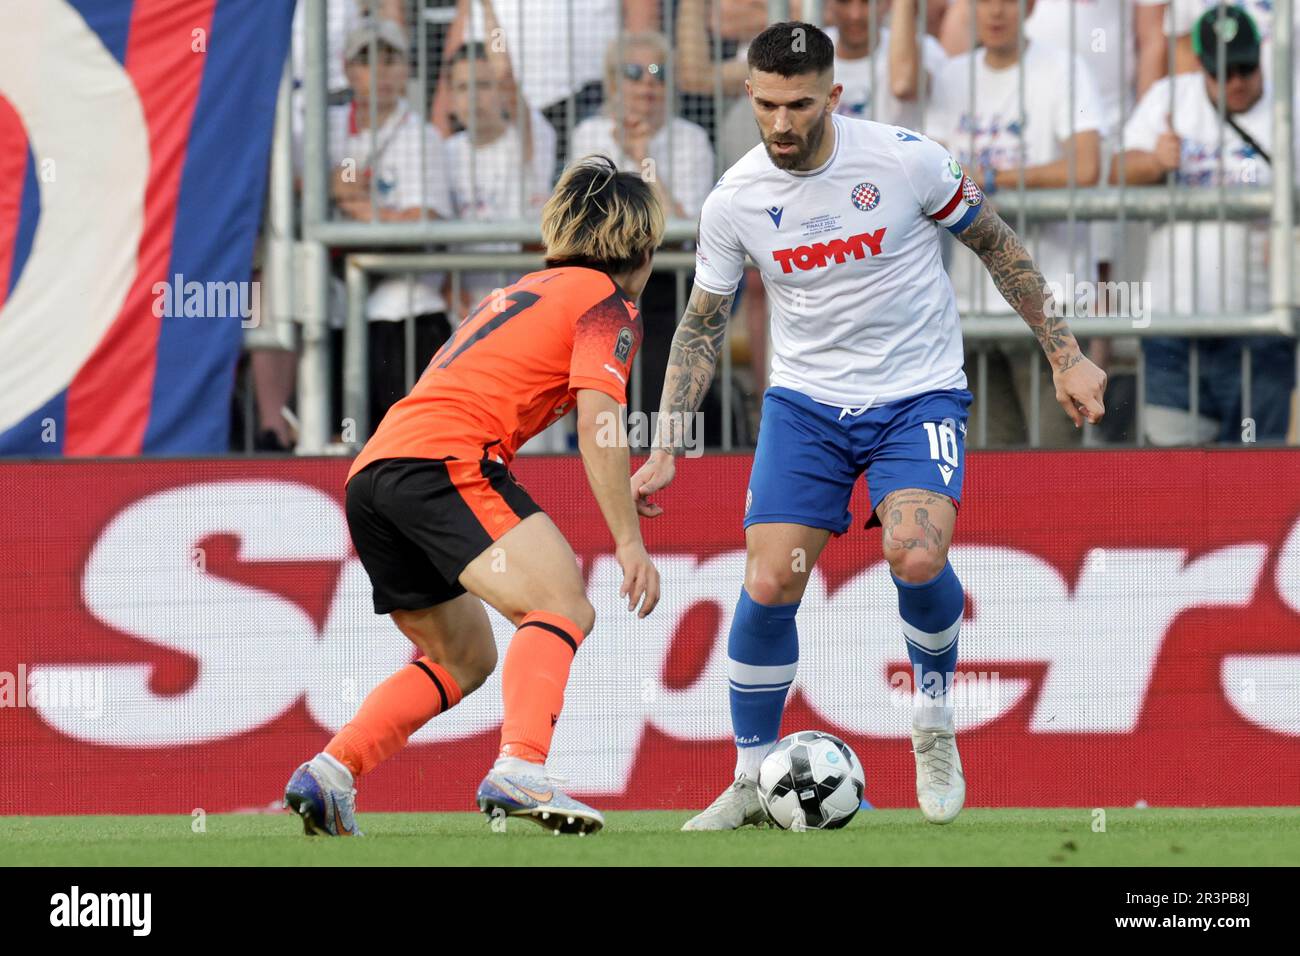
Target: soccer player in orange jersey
{"points": [[441, 525]]}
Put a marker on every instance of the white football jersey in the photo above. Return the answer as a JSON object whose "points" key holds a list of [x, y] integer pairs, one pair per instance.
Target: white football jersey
{"points": [[862, 310], [1184, 268]]}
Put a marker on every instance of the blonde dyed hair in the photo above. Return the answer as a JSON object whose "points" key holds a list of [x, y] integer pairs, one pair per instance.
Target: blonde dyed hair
{"points": [[601, 218]]}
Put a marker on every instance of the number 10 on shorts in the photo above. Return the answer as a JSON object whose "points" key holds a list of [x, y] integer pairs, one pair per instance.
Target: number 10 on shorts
{"points": [[943, 441]]}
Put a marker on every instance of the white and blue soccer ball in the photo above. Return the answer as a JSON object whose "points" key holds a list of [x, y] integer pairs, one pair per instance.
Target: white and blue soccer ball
{"points": [[811, 781]]}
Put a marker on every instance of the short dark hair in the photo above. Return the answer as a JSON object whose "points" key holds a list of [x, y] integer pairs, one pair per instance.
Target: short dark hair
{"points": [[475, 49], [792, 48]]}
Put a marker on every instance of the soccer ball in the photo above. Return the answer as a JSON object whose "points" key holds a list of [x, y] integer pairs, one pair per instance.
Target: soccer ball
{"points": [[811, 781]]}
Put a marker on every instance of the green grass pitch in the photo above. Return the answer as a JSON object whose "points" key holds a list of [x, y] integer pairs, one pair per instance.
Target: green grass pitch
{"points": [[1132, 837]]}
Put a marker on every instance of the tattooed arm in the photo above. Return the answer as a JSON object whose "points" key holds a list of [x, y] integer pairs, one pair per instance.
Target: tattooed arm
{"points": [[691, 363], [1079, 383]]}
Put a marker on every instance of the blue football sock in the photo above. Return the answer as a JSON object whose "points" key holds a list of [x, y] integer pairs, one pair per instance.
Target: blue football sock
{"points": [[932, 615], [762, 656]]}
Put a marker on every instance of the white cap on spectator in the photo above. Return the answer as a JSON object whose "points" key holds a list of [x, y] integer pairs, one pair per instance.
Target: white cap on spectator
{"points": [[381, 31]]}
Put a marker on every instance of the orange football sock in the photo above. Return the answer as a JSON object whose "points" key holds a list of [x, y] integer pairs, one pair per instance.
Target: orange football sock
{"points": [[532, 683], [392, 712]]}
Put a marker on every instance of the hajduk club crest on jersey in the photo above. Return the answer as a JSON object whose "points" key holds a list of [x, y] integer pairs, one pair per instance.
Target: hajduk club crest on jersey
{"points": [[865, 196]]}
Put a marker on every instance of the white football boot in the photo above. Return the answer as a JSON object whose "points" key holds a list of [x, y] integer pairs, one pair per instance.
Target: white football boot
{"points": [[940, 784], [737, 806], [514, 788], [323, 796]]}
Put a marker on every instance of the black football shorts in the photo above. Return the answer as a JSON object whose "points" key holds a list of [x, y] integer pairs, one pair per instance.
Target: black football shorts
{"points": [[416, 524]]}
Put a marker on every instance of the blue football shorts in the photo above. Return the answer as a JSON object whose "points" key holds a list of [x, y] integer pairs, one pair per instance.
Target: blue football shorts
{"points": [[809, 455]]}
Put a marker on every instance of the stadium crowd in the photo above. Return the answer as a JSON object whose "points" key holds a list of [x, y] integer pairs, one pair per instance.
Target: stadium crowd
{"points": [[469, 109]]}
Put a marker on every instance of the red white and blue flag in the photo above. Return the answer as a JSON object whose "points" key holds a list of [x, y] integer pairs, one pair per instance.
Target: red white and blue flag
{"points": [[134, 143]]}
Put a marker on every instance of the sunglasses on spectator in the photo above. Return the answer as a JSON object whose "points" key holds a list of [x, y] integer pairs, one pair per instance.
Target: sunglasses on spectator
{"points": [[634, 71]]}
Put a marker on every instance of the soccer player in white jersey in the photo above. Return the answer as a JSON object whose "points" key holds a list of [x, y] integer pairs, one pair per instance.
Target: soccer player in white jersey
{"points": [[842, 218]]}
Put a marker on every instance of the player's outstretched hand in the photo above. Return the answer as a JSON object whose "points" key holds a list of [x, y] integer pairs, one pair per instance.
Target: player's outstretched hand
{"points": [[640, 578], [1079, 389], [656, 473]]}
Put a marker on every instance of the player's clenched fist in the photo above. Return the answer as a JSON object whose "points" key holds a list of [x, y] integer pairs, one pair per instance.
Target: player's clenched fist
{"points": [[640, 577], [1080, 386]]}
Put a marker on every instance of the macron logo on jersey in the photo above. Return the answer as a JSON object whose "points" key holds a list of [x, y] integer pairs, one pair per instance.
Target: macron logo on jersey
{"points": [[816, 256]]}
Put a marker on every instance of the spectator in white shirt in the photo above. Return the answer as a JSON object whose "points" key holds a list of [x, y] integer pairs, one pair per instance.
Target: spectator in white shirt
{"points": [[272, 343], [1187, 279], [883, 67], [501, 167], [342, 17], [637, 131], [391, 166], [1123, 72], [1048, 145], [1093, 30], [555, 48]]}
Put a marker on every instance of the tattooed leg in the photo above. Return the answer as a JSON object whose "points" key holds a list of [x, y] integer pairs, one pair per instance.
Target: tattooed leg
{"points": [[918, 530]]}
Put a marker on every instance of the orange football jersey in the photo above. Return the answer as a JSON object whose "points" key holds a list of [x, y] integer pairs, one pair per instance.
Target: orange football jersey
{"points": [[513, 367]]}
